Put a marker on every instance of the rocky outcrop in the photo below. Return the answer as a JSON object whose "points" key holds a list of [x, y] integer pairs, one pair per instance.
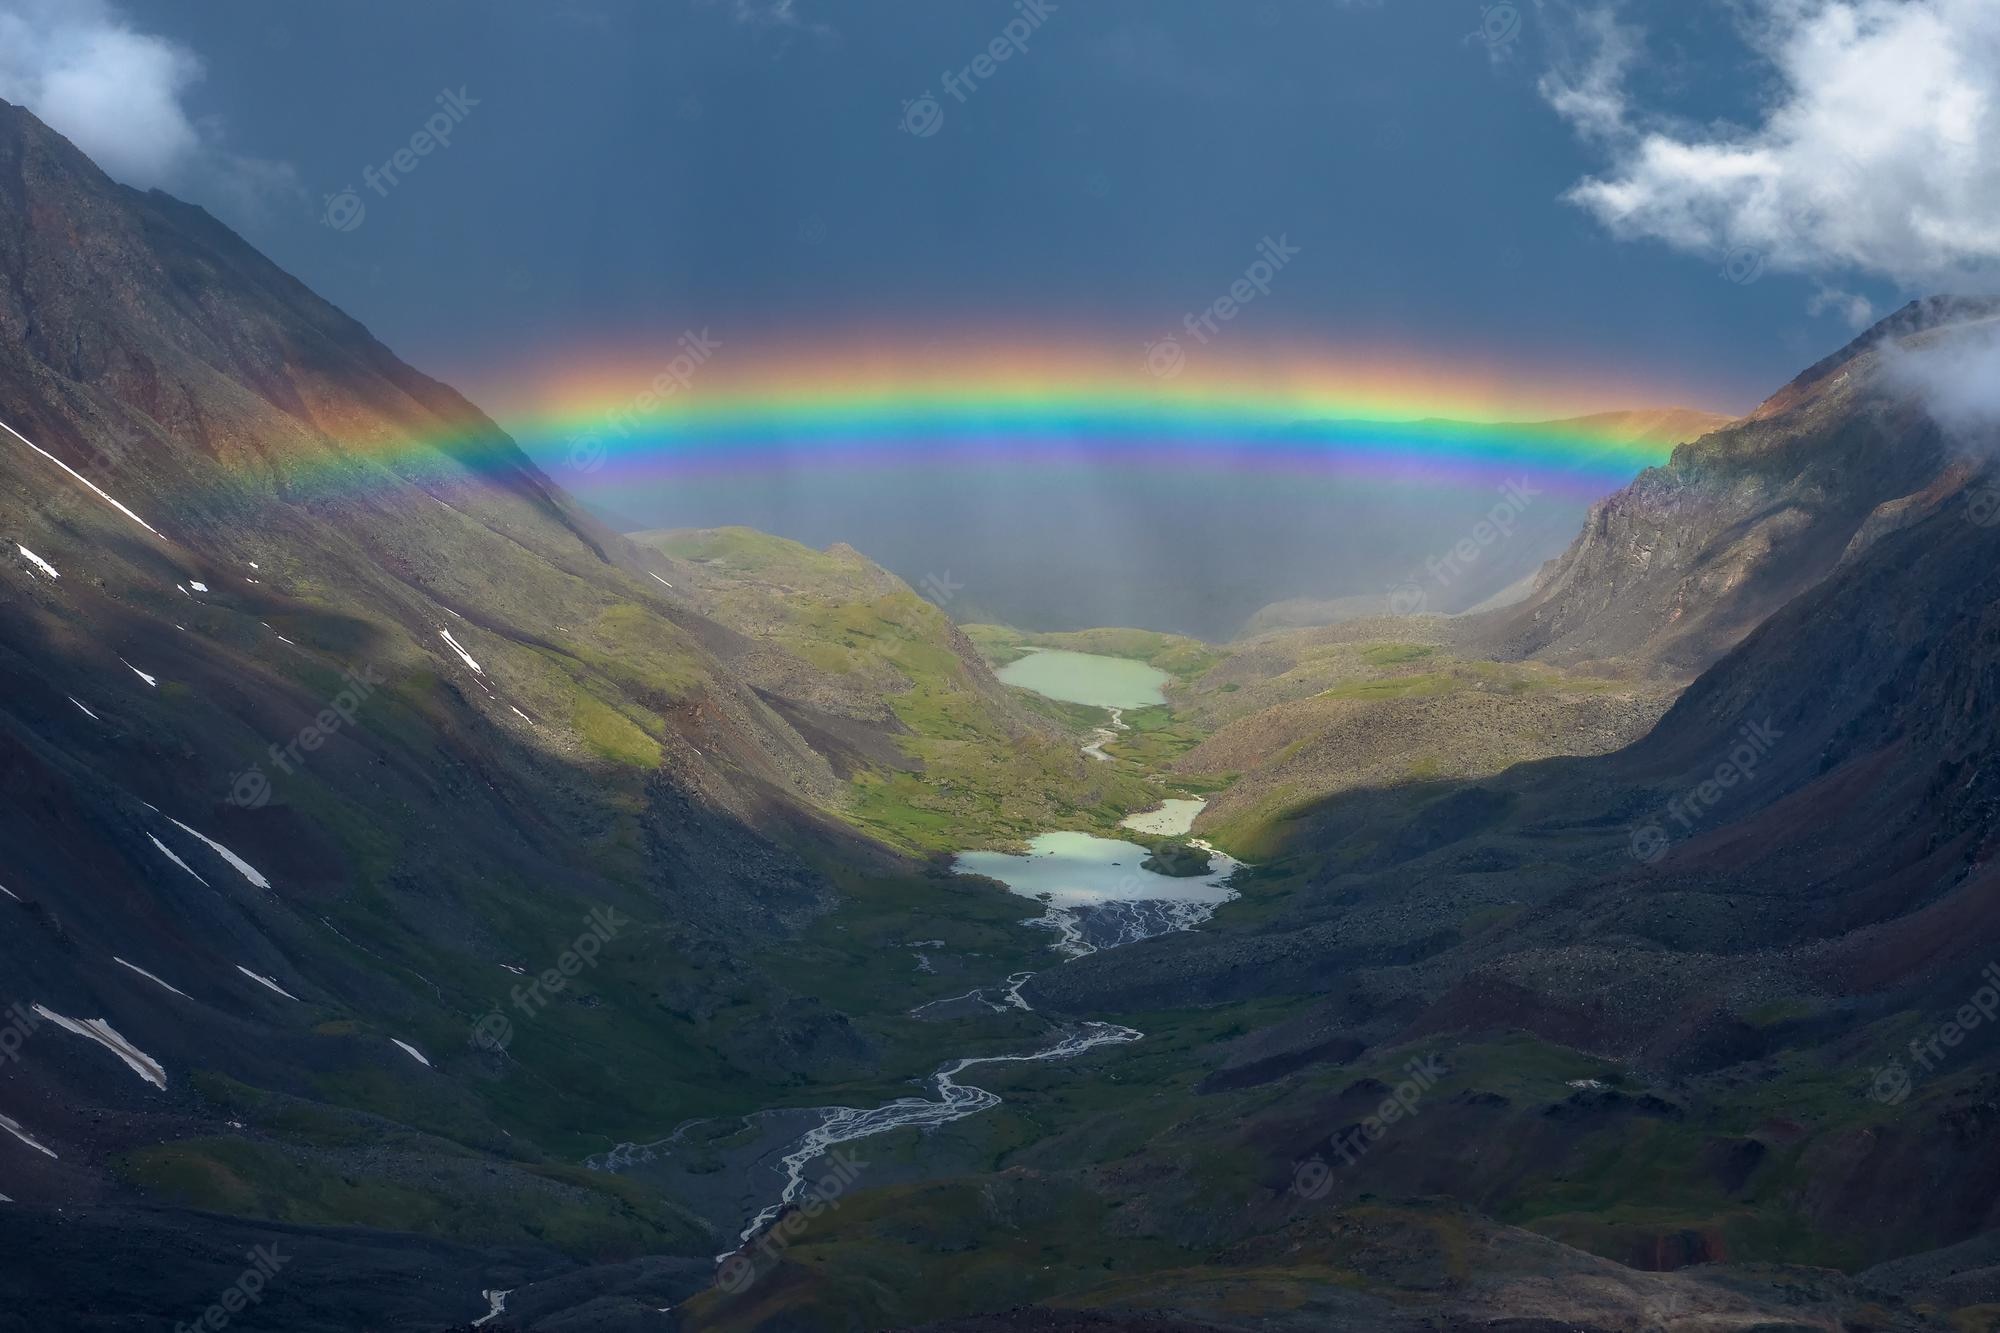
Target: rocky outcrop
{"points": [[1677, 568]]}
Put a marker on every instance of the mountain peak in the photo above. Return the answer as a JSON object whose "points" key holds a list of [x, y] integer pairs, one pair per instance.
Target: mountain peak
{"points": [[1926, 315]]}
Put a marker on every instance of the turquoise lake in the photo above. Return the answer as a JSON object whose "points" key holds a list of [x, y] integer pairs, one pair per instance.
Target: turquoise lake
{"points": [[1087, 678]]}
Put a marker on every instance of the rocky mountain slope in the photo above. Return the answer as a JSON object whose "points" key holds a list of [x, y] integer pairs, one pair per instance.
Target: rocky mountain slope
{"points": [[384, 834], [1537, 528], [1675, 569], [1698, 1001], [1354, 710], [937, 754]]}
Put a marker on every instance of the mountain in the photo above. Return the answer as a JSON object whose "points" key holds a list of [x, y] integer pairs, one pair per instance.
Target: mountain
{"points": [[1676, 568], [388, 839], [1539, 526], [386, 834], [1288, 720], [1689, 1005], [938, 755]]}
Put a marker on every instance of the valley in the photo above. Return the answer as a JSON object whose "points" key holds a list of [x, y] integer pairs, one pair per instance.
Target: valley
{"points": [[697, 929]]}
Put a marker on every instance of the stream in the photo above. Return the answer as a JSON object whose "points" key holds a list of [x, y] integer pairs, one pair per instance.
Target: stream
{"points": [[1094, 895]]}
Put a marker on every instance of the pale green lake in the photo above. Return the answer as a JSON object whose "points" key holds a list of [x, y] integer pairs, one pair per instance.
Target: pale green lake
{"points": [[1087, 678], [1078, 870]]}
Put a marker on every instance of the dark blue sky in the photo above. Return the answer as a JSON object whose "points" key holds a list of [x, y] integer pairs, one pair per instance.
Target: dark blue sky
{"points": [[644, 166]]}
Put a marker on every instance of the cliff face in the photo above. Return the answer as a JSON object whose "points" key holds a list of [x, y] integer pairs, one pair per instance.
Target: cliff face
{"points": [[1675, 569]]}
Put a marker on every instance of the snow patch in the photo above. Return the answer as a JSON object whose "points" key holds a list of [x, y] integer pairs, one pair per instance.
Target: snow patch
{"points": [[243, 867], [175, 859], [80, 477], [150, 680], [464, 656], [86, 712], [412, 1052], [150, 977], [10, 893], [266, 981], [496, 1305], [198, 587], [14, 1127], [658, 577], [523, 716], [37, 561], [101, 1032]]}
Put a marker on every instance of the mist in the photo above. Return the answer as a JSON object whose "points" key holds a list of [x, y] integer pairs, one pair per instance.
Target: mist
{"points": [[1957, 376], [1087, 545]]}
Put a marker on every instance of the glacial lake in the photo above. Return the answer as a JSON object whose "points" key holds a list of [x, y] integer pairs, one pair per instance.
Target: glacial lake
{"points": [[1087, 678], [1094, 894]]}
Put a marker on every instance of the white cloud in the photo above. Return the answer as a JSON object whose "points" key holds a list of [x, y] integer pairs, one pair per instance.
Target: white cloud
{"points": [[1957, 374], [119, 94], [1876, 152]]}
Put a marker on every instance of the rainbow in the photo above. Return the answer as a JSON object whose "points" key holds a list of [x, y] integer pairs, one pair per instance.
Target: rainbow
{"points": [[697, 407]]}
